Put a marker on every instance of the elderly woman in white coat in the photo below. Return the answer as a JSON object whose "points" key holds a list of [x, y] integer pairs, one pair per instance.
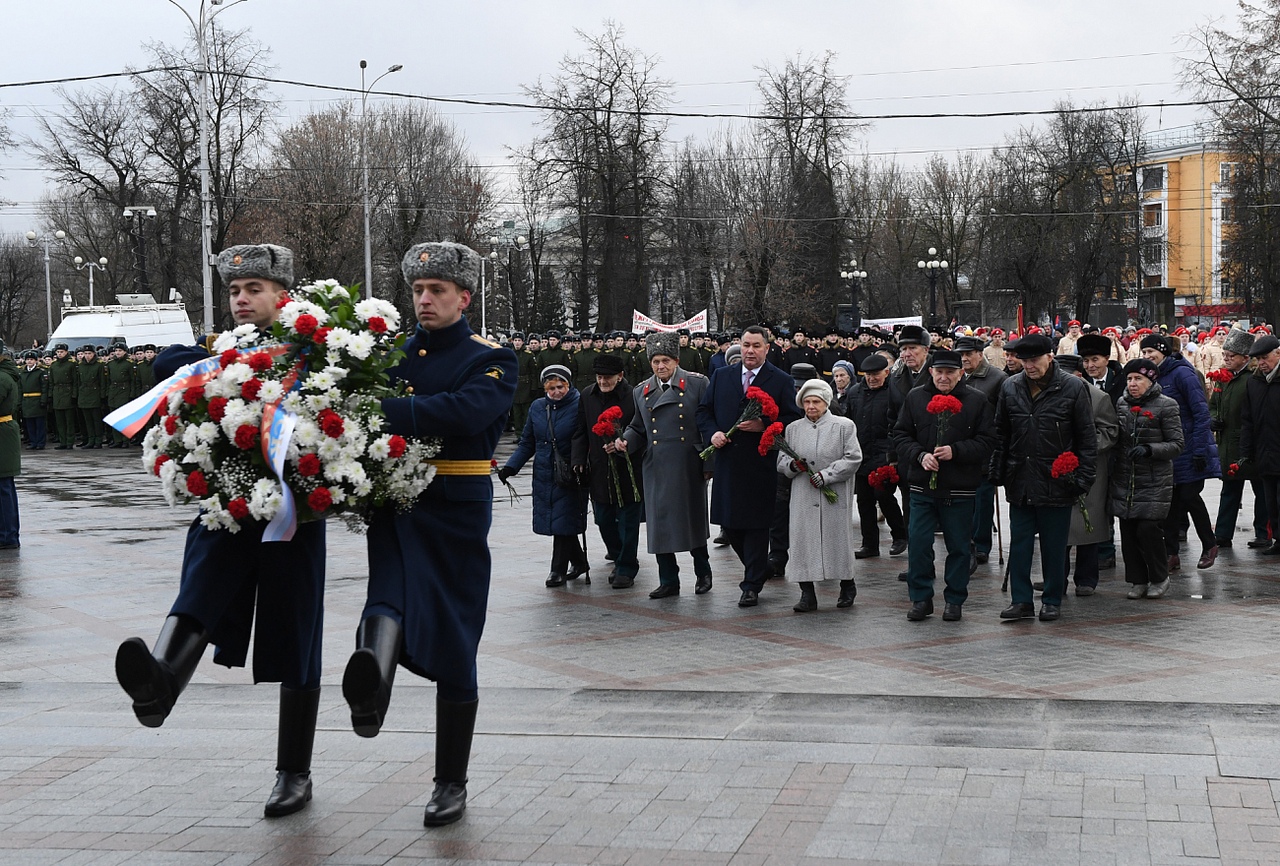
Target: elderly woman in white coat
{"points": [[821, 531]]}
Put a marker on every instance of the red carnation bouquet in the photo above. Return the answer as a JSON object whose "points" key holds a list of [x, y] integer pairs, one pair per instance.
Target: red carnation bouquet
{"points": [[1221, 375], [1064, 466], [609, 427], [756, 404], [885, 476], [944, 406], [772, 438]]}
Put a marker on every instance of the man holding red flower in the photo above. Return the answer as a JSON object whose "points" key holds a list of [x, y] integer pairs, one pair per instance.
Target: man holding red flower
{"points": [[943, 439], [746, 482], [1043, 412]]}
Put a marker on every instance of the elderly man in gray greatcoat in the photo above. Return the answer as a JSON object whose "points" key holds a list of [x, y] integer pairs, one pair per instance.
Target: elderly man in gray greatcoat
{"points": [[665, 430]]}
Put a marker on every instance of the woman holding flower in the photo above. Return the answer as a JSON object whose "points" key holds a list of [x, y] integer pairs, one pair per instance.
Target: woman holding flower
{"points": [[821, 531], [558, 511], [1142, 477]]}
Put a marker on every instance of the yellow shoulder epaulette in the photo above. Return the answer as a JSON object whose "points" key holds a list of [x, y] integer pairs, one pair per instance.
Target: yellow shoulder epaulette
{"points": [[482, 341]]}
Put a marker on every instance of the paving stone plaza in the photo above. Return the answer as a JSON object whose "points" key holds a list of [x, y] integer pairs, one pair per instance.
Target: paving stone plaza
{"points": [[618, 730]]}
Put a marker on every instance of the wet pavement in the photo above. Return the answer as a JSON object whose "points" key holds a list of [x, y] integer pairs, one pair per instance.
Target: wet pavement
{"points": [[615, 729]]}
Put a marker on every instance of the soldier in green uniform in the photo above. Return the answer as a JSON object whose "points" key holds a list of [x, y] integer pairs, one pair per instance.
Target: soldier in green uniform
{"points": [[34, 382], [121, 387], [585, 359], [527, 370], [62, 396], [553, 352], [91, 395], [145, 380], [690, 358]]}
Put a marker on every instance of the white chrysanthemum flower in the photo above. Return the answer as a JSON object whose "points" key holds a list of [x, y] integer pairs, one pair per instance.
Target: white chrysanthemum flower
{"points": [[380, 449], [363, 488], [337, 494], [293, 309], [210, 521], [322, 381], [332, 357], [370, 307], [208, 432], [360, 345], [307, 433], [190, 437], [337, 291], [237, 373], [175, 401], [264, 499], [271, 391], [337, 339], [329, 449], [318, 402], [338, 373], [292, 403], [220, 387]]}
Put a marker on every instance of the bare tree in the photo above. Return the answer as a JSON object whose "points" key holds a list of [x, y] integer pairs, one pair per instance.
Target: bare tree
{"points": [[20, 290]]}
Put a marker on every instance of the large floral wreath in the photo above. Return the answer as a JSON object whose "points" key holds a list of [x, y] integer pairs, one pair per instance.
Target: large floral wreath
{"points": [[286, 426]]}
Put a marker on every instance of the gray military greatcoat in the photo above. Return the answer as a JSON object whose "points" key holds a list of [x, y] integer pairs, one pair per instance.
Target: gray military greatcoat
{"points": [[1108, 427], [665, 430], [821, 531]]}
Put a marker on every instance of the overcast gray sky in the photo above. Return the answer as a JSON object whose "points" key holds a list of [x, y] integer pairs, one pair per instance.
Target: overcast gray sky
{"points": [[913, 56]]}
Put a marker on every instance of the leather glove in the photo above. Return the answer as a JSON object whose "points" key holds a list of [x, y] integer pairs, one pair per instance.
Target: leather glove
{"points": [[1216, 425], [1139, 452], [816, 480], [505, 472], [1198, 463]]}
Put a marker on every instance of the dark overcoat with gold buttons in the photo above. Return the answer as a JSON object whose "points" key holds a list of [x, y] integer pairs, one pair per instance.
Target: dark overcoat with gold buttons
{"points": [[665, 432], [429, 567]]}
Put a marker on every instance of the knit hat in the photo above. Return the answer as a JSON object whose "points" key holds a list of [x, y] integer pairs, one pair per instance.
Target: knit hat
{"points": [[1161, 344], [847, 367], [453, 263], [733, 355], [1238, 342], [662, 343], [814, 388], [1143, 366], [264, 261], [555, 371]]}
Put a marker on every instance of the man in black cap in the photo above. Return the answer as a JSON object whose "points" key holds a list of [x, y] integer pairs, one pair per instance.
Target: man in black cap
{"points": [[1260, 429], [527, 367], [1226, 403], [873, 407], [553, 353], [690, 358], [1099, 370], [91, 393], [800, 352], [615, 489], [585, 372], [121, 387], [943, 453], [62, 396], [864, 349], [987, 379], [913, 350], [831, 352], [1043, 413]]}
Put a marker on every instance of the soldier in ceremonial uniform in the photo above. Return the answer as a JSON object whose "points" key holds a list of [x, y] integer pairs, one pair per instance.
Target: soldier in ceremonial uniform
{"points": [[429, 568], [527, 373], [553, 353], [584, 359], [690, 358], [223, 573], [831, 352], [91, 394], [800, 352], [35, 399], [122, 387]]}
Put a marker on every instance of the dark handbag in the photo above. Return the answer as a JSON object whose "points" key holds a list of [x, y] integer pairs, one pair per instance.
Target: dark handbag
{"points": [[561, 472]]}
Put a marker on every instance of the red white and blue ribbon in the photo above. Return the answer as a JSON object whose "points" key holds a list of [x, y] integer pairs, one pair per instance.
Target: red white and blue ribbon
{"points": [[277, 432]]}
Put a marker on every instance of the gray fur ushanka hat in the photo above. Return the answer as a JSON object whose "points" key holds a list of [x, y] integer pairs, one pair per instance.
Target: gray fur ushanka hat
{"points": [[1238, 342], [264, 261], [662, 343], [442, 260]]}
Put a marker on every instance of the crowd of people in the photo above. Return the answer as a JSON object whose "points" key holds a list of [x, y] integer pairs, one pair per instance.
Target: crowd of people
{"points": [[1099, 437]]}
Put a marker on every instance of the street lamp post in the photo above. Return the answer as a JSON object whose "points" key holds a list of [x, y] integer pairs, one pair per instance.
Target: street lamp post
{"points": [[855, 278], [36, 240], [135, 215], [81, 264], [932, 268], [364, 165], [494, 241], [206, 16]]}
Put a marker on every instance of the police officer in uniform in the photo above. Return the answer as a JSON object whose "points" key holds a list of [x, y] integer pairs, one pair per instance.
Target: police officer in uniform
{"points": [[429, 568], [223, 573], [62, 396], [34, 382]]}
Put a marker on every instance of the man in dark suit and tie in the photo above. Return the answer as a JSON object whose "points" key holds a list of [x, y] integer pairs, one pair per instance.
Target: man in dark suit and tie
{"points": [[742, 497], [1099, 370]]}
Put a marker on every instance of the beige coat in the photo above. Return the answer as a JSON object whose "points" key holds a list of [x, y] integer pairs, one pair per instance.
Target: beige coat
{"points": [[822, 538]]}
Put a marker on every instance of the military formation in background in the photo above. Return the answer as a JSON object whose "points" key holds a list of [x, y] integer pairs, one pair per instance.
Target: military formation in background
{"points": [[65, 395]]}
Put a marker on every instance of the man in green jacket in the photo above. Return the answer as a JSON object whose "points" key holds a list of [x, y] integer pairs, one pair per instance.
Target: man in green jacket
{"points": [[1226, 400], [62, 396], [10, 451], [34, 383], [91, 394], [121, 387]]}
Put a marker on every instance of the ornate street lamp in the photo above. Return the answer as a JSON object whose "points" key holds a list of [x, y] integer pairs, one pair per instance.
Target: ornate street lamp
{"points": [[854, 277], [100, 265], [36, 240], [364, 165], [932, 268]]}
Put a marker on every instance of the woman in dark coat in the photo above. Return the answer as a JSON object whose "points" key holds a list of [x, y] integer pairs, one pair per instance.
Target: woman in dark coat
{"points": [[557, 511], [1199, 458], [1142, 477], [616, 499]]}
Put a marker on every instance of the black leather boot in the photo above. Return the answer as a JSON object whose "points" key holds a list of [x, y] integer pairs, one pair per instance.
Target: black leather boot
{"points": [[454, 725], [848, 592], [808, 598], [155, 678], [366, 684], [296, 737]]}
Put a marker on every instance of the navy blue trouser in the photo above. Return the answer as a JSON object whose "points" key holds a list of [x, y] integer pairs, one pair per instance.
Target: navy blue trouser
{"points": [[620, 531], [984, 516], [1051, 523], [1229, 509], [669, 568]]}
